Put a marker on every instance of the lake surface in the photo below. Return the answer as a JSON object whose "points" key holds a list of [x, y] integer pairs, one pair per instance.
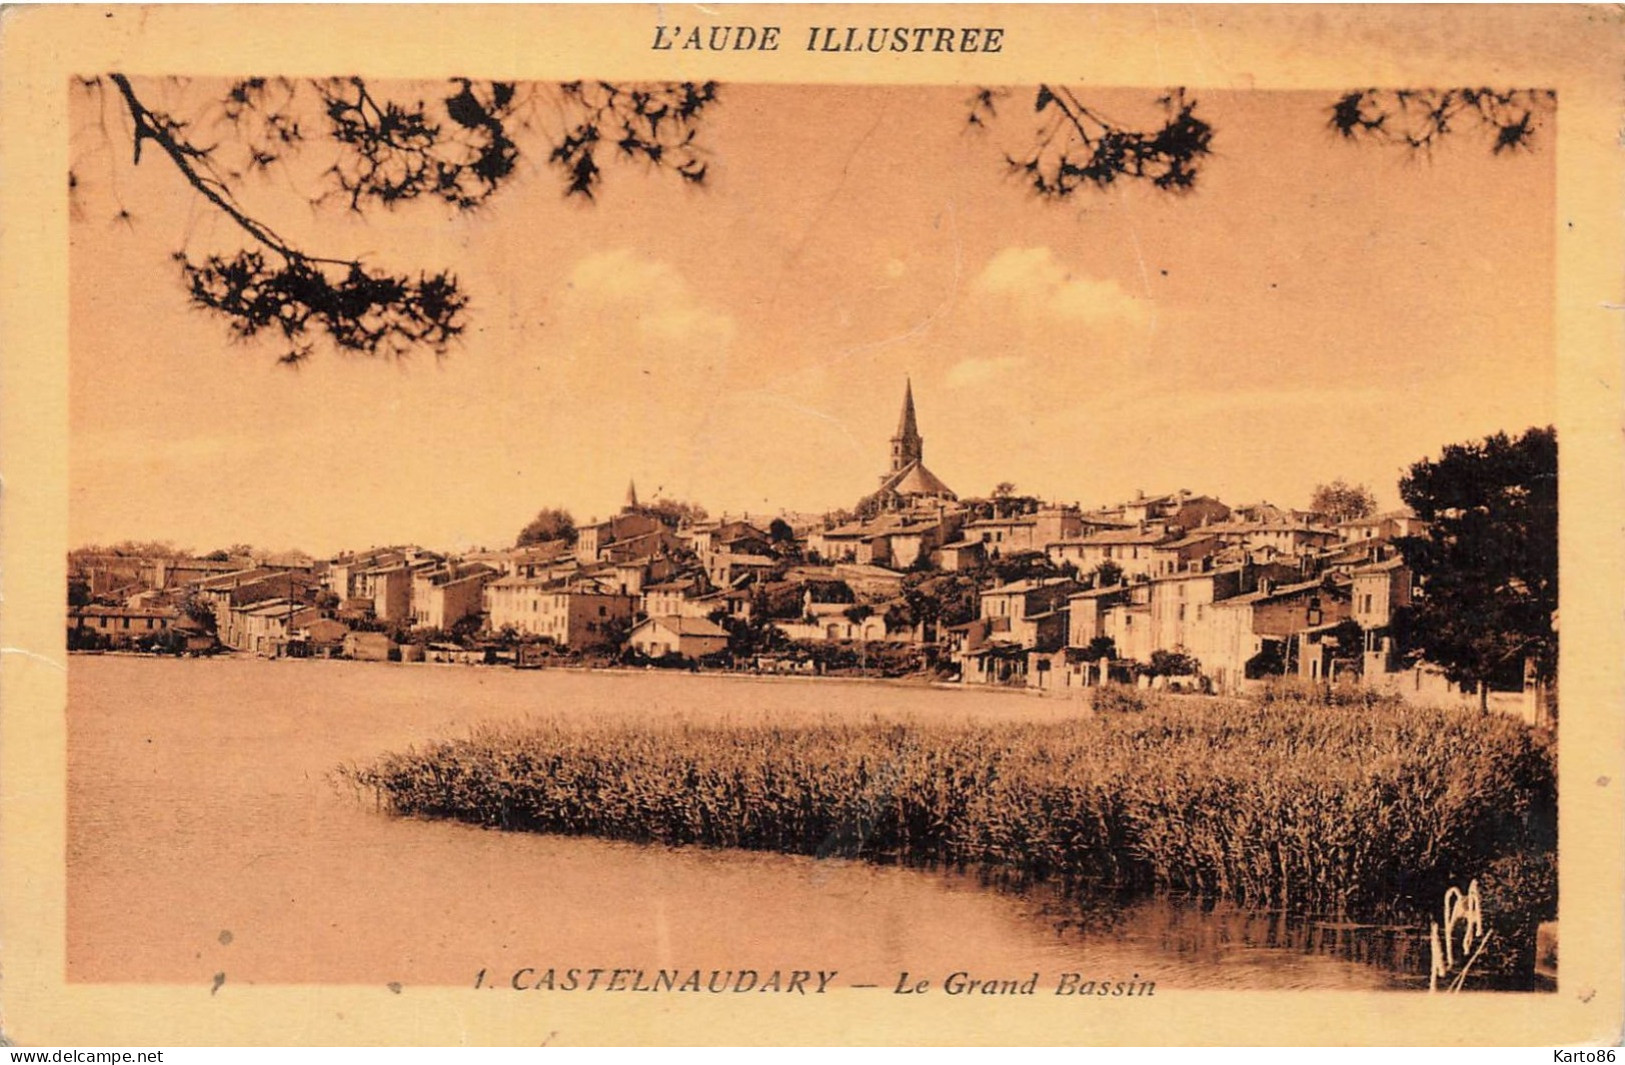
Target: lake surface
{"points": [[206, 835]]}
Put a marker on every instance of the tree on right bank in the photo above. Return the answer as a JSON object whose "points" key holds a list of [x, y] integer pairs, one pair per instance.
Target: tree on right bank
{"points": [[1486, 569]]}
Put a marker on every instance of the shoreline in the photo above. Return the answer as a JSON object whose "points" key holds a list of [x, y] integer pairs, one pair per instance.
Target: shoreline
{"points": [[912, 683]]}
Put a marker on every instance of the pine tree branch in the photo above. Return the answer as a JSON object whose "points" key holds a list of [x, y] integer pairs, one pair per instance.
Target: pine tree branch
{"points": [[151, 126]]}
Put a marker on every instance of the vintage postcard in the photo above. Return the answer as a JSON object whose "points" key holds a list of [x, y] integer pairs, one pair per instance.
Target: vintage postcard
{"points": [[907, 524]]}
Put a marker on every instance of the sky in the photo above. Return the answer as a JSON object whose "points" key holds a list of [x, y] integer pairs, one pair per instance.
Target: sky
{"points": [[1314, 309]]}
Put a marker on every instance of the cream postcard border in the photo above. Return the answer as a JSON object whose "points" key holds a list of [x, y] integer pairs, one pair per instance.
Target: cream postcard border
{"points": [[1577, 50]]}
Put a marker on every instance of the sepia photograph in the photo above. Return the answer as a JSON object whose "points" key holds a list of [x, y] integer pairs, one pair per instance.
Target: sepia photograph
{"points": [[986, 536]]}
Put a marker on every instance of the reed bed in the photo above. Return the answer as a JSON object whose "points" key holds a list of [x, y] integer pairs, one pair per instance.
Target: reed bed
{"points": [[1285, 803]]}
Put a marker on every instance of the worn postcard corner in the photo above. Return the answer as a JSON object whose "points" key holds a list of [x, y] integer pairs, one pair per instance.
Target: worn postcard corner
{"points": [[880, 524]]}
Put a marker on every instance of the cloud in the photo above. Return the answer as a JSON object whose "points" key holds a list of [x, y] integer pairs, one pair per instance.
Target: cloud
{"points": [[967, 373], [649, 296], [1040, 285], [639, 352]]}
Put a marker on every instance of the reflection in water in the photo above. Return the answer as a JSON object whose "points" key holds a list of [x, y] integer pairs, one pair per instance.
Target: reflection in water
{"points": [[1235, 937], [1228, 944], [205, 835]]}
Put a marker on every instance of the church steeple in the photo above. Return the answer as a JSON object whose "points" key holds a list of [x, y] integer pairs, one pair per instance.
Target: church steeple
{"points": [[907, 446], [909, 483], [631, 496]]}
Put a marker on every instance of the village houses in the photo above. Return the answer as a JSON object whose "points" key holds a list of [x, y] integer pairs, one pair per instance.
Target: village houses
{"points": [[1057, 596], [594, 539], [118, 626], [1390, 525], [577, 617], [1131, 550], [266, 627], [446, 595], [674, 634]]}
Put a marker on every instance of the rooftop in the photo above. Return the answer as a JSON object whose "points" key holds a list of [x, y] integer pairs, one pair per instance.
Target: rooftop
{"points": [[915, 480], [1232, 527], [274, 608], [1030, 585], [1402, 514], [1118, 536], [1284, 591], [121, 612], [1385, 566], [1014, 519], [685, 626]]}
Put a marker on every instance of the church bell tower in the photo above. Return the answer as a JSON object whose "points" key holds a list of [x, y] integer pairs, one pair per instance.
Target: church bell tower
{"points": [[906, 447]]}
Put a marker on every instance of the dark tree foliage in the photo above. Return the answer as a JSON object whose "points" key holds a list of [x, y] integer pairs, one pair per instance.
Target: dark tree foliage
{"points": [[143, 549], [675, 513], [551, 523], [840, 516], [656, 124], [1004, 502], [1341, 501], [459, 148], [1101, 647], [261, 111], [780, 600], [1487, 568], [398, 152], [945, 599], [302, 299], [1076, 146], [749, 638], [195, 608], [1024, 566], [1106, 574], [1174, 663], [613, 634], [1349, 639], [1420, 118]]}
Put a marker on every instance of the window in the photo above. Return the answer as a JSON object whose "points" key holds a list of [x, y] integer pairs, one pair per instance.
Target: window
{"points": [[602, 610], [1181, 611]]}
